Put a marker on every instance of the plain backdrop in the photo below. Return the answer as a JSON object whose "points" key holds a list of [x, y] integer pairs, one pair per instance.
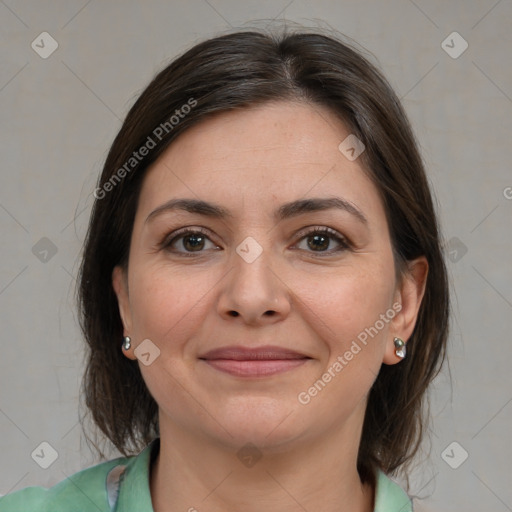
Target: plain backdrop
{"points": [[59, 115]]}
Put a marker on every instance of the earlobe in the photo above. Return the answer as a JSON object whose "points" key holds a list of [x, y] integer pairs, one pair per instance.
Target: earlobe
{"points": [[120, 285], [410, 292]]}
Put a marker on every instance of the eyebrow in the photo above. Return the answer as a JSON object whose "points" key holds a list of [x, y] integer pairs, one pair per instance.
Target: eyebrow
{"points": [[285, 211]]}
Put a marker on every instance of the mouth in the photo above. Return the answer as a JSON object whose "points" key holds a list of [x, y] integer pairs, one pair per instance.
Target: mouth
{"points": [[254, 362]]}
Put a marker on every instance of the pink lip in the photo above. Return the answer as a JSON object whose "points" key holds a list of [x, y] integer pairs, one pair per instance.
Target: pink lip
{"points": [[253, 362]]}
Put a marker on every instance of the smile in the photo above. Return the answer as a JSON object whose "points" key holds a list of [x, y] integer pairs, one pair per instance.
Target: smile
{"points": [[254, 362]]}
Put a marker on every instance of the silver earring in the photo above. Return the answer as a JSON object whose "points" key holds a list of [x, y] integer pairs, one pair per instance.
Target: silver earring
{"points": [[127, 343], [400, 350]]}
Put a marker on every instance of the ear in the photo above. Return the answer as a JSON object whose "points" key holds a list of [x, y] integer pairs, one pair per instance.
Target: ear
{"points": [[120, 285], [409, 294]]}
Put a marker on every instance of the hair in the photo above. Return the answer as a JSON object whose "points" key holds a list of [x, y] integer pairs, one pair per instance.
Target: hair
{"points": [[237, 71]]}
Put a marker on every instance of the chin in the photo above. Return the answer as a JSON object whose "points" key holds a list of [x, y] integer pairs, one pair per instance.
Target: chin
{"points": [[262, 421]]}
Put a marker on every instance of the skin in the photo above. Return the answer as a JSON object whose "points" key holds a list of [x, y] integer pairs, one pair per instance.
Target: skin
{"points": [[293, 295]]}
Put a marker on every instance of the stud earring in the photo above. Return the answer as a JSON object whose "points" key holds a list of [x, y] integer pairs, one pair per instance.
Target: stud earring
{"points": [[400, 349], [127, 343]]}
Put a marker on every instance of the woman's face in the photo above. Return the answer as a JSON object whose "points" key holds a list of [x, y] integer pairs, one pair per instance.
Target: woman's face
{"points": [[242, 305]]}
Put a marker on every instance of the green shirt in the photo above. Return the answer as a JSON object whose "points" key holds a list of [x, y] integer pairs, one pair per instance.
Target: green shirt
{"points": [[122, 485]]}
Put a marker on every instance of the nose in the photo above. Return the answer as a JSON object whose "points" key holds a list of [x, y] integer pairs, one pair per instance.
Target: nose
{"points": [[254, 292]]}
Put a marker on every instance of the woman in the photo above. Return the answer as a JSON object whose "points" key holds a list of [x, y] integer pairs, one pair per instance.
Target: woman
{"points": [[262, 289]]}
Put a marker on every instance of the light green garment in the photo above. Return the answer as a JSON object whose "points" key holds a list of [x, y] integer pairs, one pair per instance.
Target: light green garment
{"points": [[122, 485]]}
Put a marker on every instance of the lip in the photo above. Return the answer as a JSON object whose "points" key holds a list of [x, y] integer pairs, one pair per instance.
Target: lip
{"points": [[254, 362]]}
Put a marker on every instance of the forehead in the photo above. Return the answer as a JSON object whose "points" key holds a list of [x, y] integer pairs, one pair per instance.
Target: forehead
{"points": [[276, 151], [301, 132]]}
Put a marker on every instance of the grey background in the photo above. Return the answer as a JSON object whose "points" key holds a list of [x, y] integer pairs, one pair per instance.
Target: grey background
{"points": [[60, 115]]}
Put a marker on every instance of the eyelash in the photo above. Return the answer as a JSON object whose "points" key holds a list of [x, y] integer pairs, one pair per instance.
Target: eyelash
{"points": [[169, 240]]}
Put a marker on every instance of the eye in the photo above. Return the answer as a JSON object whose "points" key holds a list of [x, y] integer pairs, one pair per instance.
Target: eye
{"points": [[319, 239], [188, 240]]}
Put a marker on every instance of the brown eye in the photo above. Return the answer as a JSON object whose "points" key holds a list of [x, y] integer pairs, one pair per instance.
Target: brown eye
{"points": [[320, 242], [188, 241], [320, 239], [193, 242]]}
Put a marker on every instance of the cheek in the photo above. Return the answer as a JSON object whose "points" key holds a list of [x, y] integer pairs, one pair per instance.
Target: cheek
{"points": [[166, 304], [345, 309], [344, 303]]}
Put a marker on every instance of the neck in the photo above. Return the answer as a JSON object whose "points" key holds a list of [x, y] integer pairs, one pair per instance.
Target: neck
{"points": [[192, 473]]}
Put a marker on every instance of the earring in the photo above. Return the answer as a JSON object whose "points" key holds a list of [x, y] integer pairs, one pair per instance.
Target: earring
{"points": [[400, 350], [127, 343]]}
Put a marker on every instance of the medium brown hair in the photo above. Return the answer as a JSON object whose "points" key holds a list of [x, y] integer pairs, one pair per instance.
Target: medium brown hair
{"points": [[235, 71]]}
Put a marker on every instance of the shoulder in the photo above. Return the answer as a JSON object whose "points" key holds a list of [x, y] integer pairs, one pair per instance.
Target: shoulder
{"points": [[389, 496], [84, 490]]}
